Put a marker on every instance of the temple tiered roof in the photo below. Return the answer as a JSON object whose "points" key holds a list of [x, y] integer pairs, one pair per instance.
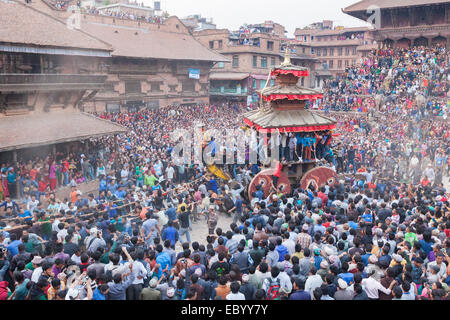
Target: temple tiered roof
{"points": [[294, 92], [300, 120], [283, 104]]}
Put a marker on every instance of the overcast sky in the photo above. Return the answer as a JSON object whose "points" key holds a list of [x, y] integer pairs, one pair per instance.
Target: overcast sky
{"points": [[232, 14]]}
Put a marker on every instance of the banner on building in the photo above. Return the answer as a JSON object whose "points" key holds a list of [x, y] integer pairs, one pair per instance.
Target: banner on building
{"points": [[249, 100], [194, 73]]}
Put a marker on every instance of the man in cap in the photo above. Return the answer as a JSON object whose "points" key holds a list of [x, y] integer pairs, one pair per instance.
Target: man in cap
{"points": [[342, 293], [151, 293], [303, 238], [170, 294], [441, 267]]}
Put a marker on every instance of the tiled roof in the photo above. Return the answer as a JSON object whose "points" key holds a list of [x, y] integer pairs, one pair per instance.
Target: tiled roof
{"points": [[144, 43], [274, 118], [22, 24], [283, 89], [27, 131], [383, 4]]}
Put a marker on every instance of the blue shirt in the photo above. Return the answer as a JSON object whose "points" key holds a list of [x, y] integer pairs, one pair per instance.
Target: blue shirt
{"points": [[282, 251], [171, 213], [164, 260], [353, 225], [365, 258], [121, 194], [13, 247], [238, 205], [259, 194], [97, 295], [212, 185], [426, 246], [112, 211], [170, 233], [112, 188], [26, 214], [317, 261], [102, 185], [385, 258], [300, 295], [367, 217]]}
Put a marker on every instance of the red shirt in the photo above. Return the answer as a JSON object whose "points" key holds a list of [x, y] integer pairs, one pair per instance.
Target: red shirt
{"points": [[42, 186], [324, 197], [278, 170]]}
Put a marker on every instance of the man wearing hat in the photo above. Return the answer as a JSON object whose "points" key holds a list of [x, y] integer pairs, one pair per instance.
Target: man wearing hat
{"points": [[247, 288], [323, 268], [342, 292], [303, 238], [170, 294], [37, 261], [284, 293], [151, 293], [440, 266], [397, 263]]}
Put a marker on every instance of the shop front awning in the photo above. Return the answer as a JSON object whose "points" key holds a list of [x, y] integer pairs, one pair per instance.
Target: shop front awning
{"points": [[228, 76], [260, 76], [27, 131]]}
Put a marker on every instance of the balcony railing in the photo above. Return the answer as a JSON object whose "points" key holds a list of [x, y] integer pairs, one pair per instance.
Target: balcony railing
{"points": [[421, 28], [50, 82], [228, 91]]}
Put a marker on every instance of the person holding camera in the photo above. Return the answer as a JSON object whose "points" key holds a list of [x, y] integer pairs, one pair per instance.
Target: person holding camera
{"points": [[95, 240]]}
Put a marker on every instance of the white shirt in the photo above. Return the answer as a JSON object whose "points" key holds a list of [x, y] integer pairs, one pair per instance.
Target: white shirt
{"points": [[75, 258], [290, 245], [442, 272], [55, 225], [371, 286], [139, 271], [124, 174], [170, 172], [92, 204], [36, 274], [313, 282], [31, 205], [62, 235], [285, 281], [235, 296]]}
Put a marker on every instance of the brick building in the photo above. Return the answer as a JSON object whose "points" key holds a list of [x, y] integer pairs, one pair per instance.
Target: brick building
{"points": [[152, 64], [407, 22], [253, 51], [196, 22], [44, 77], [335, 48]]}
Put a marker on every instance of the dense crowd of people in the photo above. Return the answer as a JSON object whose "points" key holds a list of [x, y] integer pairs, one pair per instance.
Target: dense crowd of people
{"points": [[380, 233], [399, 75], [129, 15]]}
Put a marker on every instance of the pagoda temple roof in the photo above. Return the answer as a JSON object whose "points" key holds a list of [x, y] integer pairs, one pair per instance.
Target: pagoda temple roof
{"points": [[291, 67], [288, 68], [300, 120], [292, 92]]}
